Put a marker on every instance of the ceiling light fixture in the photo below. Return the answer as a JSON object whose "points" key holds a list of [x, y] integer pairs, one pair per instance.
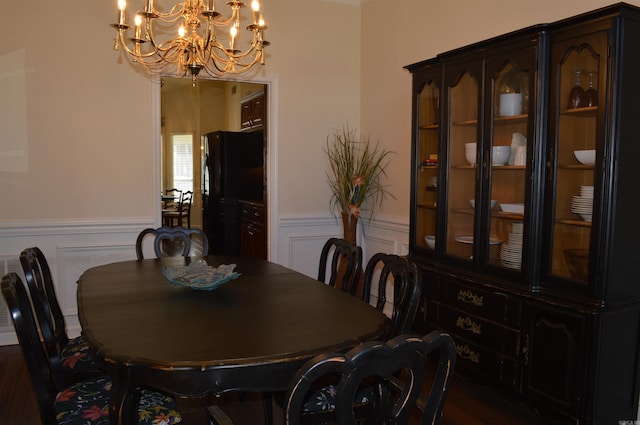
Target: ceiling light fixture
{"points": [[196, 45]]}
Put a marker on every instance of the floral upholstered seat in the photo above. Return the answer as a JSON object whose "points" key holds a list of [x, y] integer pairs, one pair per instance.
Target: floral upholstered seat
{"points": [[82, 403], [87, 403]]}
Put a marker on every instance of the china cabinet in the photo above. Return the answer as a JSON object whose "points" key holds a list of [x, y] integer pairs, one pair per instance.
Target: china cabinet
{"points": [[524, 181]]}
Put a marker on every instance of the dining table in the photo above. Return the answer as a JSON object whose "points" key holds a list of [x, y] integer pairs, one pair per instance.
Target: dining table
{"points": [[251, 333]]}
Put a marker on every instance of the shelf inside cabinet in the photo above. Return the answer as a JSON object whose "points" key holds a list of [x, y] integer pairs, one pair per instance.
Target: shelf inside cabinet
{"points": [[586, 111], [513, 216], [466, 123], [429, 127], [511, 120], [581, 223], [427, 206], [576, 167], [509, 167]]}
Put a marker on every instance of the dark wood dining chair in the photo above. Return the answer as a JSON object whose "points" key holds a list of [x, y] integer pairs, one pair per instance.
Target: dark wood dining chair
{"points": [[174, 242], [71, 358], [345, 267], [391, 270], [370, 371], [85, 402], [182, 214], [388, 270]]}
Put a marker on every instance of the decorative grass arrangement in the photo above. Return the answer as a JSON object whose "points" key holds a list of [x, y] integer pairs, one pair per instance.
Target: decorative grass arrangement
{"points": [[357, 168]]}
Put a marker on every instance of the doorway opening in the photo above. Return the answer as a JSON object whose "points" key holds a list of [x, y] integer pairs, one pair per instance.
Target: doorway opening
{"points": [[211, 106]]}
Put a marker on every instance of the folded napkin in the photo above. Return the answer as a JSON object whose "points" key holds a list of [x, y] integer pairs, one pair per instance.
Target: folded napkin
{"points": [[199, 275]]}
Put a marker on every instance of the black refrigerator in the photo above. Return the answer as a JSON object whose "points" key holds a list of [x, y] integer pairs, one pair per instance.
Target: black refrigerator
{"points": [[233, 170]]}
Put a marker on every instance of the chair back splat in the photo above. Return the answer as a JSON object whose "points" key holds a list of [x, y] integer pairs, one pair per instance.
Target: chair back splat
{"points": [[71, 359], [407, 286], [376, 365], [174, 242], [345, 266]]}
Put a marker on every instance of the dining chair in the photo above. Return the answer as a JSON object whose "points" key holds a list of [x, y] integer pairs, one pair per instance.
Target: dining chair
{"points": [[345, 267], [393, 275], [174, 242], [375, 366], [182, 213], [85, 402], [71, 358], [175, 195]]}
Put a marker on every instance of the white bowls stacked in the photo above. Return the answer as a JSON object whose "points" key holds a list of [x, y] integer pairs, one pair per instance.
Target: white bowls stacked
{"points": [[470, 152], [583, 204], [511, 252], [500, 155], [587, 157]]}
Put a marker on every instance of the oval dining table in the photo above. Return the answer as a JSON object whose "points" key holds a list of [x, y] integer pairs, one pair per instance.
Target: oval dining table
{"points": [[249, 334]]}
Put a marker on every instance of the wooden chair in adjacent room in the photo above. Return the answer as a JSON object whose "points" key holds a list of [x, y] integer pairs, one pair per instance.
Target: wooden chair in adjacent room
{"points": [[182, 214], [85, 402], [71, 358], [345, 267], [374, 366], [174, 242]]}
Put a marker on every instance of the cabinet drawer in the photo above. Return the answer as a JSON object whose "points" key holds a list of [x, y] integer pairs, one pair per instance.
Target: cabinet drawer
{"points": [[488, 304], [486, 363], [479, 331]]}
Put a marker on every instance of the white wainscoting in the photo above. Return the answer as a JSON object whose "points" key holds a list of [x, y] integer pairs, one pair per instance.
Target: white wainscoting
{"points": [[71, 247]]}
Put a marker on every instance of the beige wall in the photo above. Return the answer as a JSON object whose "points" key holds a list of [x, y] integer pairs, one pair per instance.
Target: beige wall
{"points": [[85, 151]]}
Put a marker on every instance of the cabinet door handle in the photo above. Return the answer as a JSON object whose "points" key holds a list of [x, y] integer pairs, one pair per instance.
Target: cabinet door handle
{"points": [[467, 353], [466, 324], [467, 296]]}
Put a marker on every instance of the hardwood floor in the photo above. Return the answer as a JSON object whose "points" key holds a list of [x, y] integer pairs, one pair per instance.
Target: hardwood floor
{"points": [[467, 404]]}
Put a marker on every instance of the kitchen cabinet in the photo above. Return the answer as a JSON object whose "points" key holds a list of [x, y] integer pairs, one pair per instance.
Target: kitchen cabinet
{"points": [[252, 112], [523, 179], [253, 237]]}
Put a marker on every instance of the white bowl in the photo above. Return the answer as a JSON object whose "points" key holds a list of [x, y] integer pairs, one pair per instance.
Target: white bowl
{"points": [[512, 208], [431, 241], [500, 155], [470, 155], [586, 157], [473, 203]]}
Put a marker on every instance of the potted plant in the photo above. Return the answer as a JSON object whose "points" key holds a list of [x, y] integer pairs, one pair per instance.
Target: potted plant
{"points": [[355, 178]]}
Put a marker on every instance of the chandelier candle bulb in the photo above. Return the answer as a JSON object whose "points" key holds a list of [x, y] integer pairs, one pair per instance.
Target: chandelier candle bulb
{"points": [[138, 22], [255, 6], [122, 5]]}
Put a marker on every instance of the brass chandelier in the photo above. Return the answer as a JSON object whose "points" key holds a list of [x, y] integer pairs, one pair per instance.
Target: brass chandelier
{"points": [[198, 41]]}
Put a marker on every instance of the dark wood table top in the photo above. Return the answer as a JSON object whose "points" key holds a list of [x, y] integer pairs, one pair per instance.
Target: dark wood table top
{"points": [[251, 333]]}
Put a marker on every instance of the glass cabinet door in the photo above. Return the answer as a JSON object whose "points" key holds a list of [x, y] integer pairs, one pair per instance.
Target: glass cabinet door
{"points": [[426, 181], [578, 70], [506, 157], [463, 160]]}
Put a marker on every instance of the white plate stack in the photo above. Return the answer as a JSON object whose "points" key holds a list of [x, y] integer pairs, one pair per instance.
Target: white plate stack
{"points": [[511, 252], [583, 204]]}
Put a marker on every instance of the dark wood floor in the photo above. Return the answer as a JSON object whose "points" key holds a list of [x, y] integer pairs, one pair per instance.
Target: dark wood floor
{"points": [[467, 404]]}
